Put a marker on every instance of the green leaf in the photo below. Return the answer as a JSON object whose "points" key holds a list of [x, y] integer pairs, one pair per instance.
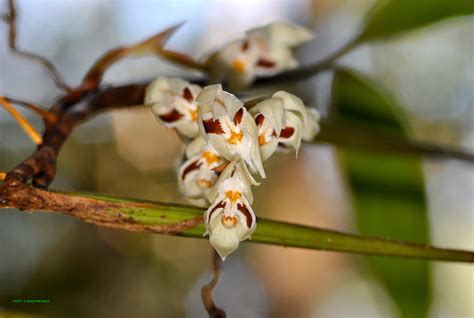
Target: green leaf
{"points": [[174, 219], [392, 17], [388, 191]]}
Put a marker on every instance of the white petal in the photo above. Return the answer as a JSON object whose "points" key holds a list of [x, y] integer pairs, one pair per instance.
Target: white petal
{"points": [[272, 110], [250, 129], [221, 145], [312, 128], [188, 129], [232, 103], [195, 147], [295, 122], [207, 97], [241, 180], [292, 103], [269, 148], [224, 241], [283, 57], [284, 33], [213, 99]]}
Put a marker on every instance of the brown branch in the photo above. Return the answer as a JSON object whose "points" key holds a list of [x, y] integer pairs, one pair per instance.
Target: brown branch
{"points": [[206, 290], [10, 19], [40, 167], [98, 212]]}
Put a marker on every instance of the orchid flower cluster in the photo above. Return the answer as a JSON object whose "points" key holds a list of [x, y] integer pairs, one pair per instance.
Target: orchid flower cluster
{"points": [[228, 144], [264, 51]]}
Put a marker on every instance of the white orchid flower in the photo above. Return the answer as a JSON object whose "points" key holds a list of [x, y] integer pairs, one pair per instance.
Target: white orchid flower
{"points": [[283, 120], [198, 175], [228, 127], [264, 51], [230, 219], [173, 103]]}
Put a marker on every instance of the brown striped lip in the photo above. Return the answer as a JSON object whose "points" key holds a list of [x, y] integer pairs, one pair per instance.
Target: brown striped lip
{"points": [[191, 167], [259, 119], [212, 126], [238, 116], [188, 95], [218, 206], [170, 117], [265, 63], [245, 211], [287, 132]]}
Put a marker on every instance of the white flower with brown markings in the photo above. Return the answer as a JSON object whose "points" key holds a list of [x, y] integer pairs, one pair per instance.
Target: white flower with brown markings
{"points": [[230, 219], [198, 175], [283, 120], [229, 145], [263, 51], [174, 104], [229, 128]]}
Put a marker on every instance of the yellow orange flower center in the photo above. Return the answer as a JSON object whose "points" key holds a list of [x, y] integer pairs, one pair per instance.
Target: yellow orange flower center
{"points": [[233, 195], [210, 157], [194, 115], [238, 65], [261, 140], [235, 137]]}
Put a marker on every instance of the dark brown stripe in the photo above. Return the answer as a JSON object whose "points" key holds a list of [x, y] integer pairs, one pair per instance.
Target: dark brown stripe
{"points": [[218, 170], [238, 116], [265, 63], [170, 117], [192, 166], [188, 95], [248, 216], [259, 119], [287, 132], [212, 126], [219, 205], [245, 45]]}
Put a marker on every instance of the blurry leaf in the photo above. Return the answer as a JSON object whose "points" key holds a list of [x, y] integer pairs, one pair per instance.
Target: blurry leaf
{"points": [[388, 191], [392, 17]]}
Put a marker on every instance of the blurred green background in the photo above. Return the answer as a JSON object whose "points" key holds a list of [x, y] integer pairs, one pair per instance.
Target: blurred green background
{"points": [[87, 271]]}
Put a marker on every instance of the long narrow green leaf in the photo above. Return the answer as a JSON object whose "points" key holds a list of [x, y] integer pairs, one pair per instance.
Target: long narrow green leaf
{"points": [[139, 215], [392, 17], [388, 190]]}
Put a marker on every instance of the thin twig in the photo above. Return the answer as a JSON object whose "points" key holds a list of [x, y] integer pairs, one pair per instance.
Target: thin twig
{"points": [[206, 290], [47, 116], [53, 72], [27, 127]]}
